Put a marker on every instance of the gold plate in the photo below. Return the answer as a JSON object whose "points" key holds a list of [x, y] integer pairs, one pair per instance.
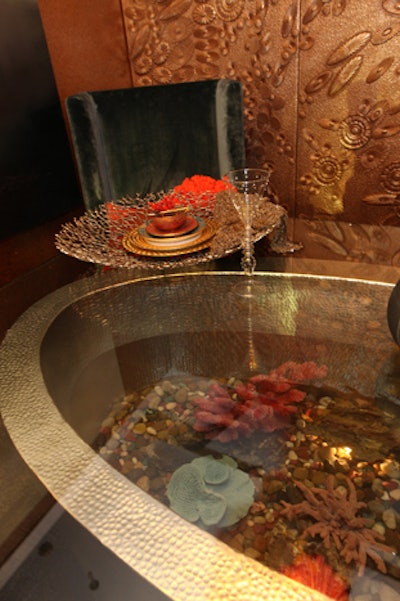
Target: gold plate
{"points": [[134, 242]]}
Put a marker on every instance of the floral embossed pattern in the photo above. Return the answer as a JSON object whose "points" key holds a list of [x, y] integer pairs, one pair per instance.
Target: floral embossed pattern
{"points": [[319, 81]]}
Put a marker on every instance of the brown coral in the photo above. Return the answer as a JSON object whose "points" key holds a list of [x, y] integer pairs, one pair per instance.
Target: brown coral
{"points": [[337, 521]]}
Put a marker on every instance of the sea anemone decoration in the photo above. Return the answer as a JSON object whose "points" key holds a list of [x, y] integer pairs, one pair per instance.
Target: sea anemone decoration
{"points": [[318, 575]]}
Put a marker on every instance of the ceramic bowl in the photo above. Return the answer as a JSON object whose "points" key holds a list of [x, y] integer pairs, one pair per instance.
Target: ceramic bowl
{"points": [[170, 221]]}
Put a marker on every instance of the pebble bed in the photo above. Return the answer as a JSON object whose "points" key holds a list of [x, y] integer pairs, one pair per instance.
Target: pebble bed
{"points": [[333, 436]]}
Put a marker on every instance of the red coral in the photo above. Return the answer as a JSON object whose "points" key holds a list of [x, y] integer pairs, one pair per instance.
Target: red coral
{"points": [[318, 575], [277, 388], [201, 183], [289, 374], [198, 191], [264, 403]]}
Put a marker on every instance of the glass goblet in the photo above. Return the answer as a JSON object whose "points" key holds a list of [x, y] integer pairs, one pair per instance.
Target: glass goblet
{"points": [[250, 184]]}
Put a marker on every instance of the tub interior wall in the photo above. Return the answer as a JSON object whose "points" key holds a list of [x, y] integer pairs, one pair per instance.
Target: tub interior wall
{"points": [[123, 338]]}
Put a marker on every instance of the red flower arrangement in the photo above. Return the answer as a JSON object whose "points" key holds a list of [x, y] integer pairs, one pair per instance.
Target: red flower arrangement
{"points": [[264, 403], [197, 191]]}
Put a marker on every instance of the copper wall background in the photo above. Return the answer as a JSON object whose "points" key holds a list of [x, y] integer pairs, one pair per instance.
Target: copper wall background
{"points": [[321, 93]]}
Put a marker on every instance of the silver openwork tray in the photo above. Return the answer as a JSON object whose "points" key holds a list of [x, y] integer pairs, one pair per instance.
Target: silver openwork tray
{"points": [[98, 235]]}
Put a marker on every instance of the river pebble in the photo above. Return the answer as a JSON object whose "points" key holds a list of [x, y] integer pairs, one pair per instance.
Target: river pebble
{"points": [[395, 494], [153, 400], [181, 395], [389, 518], [144, 483]]}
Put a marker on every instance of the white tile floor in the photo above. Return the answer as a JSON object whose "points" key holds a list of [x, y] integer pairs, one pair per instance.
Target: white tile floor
{"points": [[61, 561]]}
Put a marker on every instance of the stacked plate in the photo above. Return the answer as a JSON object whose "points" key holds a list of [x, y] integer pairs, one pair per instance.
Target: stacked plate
{"points": [[192, 236]]}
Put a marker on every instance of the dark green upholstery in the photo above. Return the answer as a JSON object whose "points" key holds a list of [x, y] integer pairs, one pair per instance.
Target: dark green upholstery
{"points": [[147, 139]]}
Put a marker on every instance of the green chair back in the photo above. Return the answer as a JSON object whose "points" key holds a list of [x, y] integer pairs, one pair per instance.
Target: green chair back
{"points": [[146, 139]]}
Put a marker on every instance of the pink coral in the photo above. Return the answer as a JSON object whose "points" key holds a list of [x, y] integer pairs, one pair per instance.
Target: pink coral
{"points": [[318, 575], [265, 402]]}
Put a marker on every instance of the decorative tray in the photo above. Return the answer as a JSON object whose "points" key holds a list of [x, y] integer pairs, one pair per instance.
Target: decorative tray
{"points": [[112, 235]]}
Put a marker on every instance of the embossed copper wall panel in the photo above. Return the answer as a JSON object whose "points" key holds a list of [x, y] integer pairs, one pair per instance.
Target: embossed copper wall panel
{"points": [[348, 136], [320, 77]]}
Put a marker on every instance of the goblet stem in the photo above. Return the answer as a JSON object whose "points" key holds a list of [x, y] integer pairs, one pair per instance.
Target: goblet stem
{"points": [[248, 262], [249, 185]]}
